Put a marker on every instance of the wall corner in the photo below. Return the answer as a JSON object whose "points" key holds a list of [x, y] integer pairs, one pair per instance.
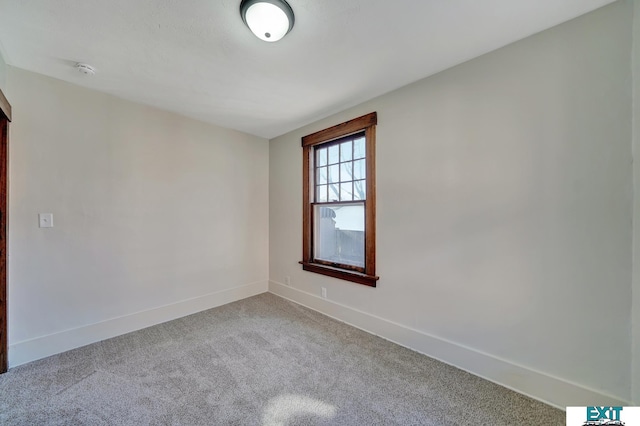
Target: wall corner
{"points": [[635, 146]]}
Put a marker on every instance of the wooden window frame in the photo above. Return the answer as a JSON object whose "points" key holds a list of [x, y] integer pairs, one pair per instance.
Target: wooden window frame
{"points": [[366, 275], [5, 118]]}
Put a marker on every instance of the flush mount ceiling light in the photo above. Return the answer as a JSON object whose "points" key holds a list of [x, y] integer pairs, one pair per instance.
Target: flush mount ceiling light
{"points": [[269, 20]]}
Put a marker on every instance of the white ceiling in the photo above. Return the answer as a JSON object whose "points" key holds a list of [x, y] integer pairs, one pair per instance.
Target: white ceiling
{"points": [[197, 58]]}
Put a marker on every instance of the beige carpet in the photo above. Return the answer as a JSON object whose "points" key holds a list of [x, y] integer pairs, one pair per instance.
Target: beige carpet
{"points": [[260, 361]]}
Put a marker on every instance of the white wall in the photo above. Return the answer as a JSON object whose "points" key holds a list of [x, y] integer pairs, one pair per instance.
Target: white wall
{"points": [[504, 215], [636, 216], [156, 216]]}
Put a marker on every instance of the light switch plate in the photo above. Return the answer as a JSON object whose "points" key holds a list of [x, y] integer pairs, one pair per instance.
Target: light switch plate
{"points": [[46, 220]]}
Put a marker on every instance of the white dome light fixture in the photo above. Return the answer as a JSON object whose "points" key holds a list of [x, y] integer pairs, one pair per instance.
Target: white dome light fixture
{"points": [[269, 20]]}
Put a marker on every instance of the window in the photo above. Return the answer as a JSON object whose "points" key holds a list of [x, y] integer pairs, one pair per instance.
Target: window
{"points": [[339, 201]]}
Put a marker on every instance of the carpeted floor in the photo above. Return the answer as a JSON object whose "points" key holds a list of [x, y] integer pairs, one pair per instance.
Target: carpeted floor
{"points": [[260, 361]]}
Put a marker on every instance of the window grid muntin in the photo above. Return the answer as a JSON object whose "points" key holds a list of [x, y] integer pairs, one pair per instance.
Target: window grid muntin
{"points": [[324, 150]]}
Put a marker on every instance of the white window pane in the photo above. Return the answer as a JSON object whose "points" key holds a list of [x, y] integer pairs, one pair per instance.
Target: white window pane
{"points": [[346, 171], [322, 176], [321, 194], [334, 154], [359, 169], [334, 192], [346, 151], [339, 234], [358, 148], [360, 190], [346, 191], [333, 173], [321, 157]]}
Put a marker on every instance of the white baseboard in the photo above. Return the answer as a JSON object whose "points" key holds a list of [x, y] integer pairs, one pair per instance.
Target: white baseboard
{"points": [[552, 390], [44, 346]]}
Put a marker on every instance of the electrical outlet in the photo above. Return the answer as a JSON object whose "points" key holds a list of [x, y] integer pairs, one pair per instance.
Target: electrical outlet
{"points": [[45, 220], [287, 280], [324, 292]]}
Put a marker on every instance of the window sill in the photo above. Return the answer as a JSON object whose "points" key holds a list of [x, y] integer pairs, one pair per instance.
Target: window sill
{"points": [[342, 274]]}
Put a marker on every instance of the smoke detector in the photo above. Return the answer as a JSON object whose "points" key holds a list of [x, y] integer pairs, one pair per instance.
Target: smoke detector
{"points": [[85, 69]]}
